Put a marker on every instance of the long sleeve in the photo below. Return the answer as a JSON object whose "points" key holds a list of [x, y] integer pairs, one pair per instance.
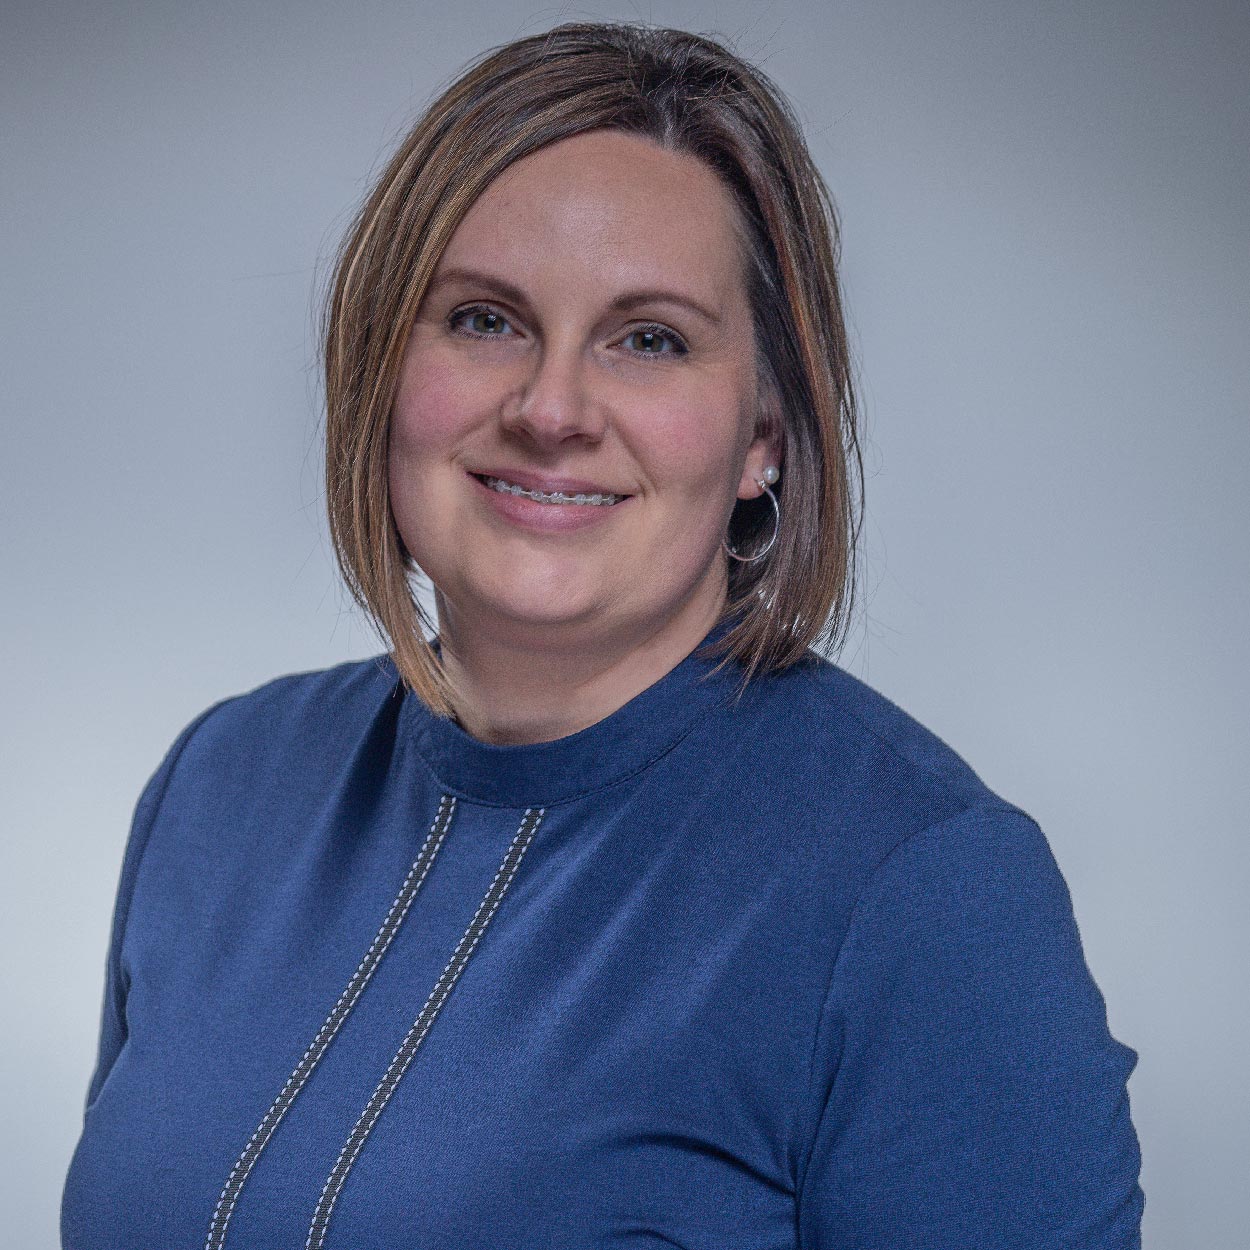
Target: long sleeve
{"points": [[112, 1034], [969, 1092]]}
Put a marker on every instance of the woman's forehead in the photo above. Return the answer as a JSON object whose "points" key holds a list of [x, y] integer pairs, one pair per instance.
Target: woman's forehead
{"points": [[613, 207]]}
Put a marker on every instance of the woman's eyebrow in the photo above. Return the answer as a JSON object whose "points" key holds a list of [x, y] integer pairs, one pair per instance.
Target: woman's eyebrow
{"points": [[631, 299], [622, 303]]}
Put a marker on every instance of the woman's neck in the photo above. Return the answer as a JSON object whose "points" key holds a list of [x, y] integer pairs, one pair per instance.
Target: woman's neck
{"points": [[521, 686]]}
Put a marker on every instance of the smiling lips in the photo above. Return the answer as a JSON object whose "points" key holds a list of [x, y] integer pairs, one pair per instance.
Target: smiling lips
{"points": [[565, 496]]}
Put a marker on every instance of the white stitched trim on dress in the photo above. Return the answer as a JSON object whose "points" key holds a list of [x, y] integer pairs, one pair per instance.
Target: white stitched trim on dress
{"points": [[420, 1027], [333, 1022]]}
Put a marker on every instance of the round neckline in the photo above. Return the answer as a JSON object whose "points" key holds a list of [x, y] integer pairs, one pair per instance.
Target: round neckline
{"points": [[542, 774]]}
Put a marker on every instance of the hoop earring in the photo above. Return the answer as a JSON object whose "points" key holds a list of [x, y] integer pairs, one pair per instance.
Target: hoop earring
{"points": [[771, 474]]}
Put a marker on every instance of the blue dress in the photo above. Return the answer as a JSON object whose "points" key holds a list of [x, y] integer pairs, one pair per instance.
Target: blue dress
{"points": [[725, 971]]}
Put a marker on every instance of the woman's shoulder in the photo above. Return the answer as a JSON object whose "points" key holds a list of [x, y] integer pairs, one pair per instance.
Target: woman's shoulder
{"points": [[314, 714], [311, 691], [839, 724], [853, 771]]}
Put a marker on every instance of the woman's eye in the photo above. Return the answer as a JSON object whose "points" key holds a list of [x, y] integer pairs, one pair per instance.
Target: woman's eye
{"points": [[485, 323], [654, 341], [482, 322]]}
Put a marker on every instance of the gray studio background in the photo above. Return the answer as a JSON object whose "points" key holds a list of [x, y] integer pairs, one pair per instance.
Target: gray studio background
{"points": [[1044, 209]]}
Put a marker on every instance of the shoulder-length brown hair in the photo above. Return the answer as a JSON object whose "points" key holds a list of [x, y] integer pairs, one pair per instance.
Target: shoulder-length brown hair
{"points": [[689, 94]]}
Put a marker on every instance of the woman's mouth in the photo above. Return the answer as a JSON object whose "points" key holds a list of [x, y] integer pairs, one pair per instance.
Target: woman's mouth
{"points": [[598, 499]]}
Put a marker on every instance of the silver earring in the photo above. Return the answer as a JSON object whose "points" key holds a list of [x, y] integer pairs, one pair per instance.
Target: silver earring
{"points": [[771, 475]]}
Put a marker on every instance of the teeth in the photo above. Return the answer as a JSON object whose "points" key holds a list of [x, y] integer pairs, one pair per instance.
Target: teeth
{"points": [[555, 496]]}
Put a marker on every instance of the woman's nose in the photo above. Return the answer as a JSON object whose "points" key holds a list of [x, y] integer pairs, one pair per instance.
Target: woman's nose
{"points": [[555, 401]]}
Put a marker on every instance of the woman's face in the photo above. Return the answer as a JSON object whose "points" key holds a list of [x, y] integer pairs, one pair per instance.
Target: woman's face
{"points": [[586, 339]]}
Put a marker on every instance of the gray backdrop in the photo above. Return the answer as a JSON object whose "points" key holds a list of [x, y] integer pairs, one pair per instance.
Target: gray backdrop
{"points": [[1046, 261]]}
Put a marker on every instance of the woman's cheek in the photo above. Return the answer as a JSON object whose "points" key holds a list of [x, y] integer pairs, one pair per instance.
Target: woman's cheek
{"points": [[437, 401], [695, 442]]}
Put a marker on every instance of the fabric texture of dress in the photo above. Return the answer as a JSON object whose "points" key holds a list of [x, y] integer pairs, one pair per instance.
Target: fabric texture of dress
{"points": [[725, 971]]}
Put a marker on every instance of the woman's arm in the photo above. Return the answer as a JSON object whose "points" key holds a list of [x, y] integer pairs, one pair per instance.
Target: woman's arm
{"points": [[967, 1090], [113, 1012]]}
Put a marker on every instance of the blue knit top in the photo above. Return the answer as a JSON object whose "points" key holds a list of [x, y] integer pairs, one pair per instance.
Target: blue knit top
{"points": [[718, 972]]}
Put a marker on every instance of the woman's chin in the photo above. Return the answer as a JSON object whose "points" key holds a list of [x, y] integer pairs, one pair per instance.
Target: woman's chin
{"points": [[549, 610]]}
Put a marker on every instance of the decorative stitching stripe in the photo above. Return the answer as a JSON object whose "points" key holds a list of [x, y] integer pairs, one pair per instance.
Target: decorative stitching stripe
{"points": [[333, 1022], [420, 1027]]}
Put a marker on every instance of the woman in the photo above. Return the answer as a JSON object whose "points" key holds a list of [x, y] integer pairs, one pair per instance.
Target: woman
{"points": [[612, 915]]}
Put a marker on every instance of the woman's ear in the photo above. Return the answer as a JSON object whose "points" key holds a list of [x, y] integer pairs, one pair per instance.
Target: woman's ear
{"points": [[766, 447]]}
